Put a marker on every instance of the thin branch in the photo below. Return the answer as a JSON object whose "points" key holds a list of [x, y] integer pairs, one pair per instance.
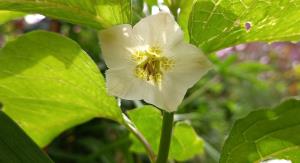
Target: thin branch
{"points": [[131, 127]]}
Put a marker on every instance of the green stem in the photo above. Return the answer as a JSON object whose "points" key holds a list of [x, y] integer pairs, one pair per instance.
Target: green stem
{"points": [[130, 126], [165, 138], [212, 152]]}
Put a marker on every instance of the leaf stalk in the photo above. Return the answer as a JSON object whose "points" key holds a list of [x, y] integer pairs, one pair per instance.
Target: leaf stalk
{"points": [[131, 127]]}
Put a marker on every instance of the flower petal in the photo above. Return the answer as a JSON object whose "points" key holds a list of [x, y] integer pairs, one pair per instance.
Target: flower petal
{"points": [[168, 97], [116, 43], [190, 65], [172, 93], [157, 30], [123, 83]]}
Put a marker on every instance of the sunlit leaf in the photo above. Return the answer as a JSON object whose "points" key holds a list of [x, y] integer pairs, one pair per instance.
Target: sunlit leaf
{"points": [[97, 14], [265, 134], [6, 16], [16, 146], [49, 84], [218, 24], [185, 141]]}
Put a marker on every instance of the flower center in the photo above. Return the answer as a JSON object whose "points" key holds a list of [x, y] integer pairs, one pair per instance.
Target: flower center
{"points": [[151, 65]]}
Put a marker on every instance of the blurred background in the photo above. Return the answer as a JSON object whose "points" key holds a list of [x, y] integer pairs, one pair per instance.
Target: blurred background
{"points": [[246, 77]]}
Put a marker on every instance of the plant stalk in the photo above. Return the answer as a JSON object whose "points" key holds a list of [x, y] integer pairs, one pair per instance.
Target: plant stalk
{"points": [[165, 138], [130, 126]]}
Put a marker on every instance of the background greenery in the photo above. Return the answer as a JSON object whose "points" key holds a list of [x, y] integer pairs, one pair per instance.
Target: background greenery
{"points": [[246, 77]]}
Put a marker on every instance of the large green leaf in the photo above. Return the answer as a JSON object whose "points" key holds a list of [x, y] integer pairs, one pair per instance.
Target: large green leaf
{"points": [[222, 23], [185, 141], [184, 15], [265, 134], [48, 84], [6, 16], [16, 146], [93, 13]]}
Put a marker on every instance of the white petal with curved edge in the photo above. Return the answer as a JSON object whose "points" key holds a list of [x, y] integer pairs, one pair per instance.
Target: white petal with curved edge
{"points": [[116, 45], [189, 62], [172, 93], [154, 96], [168, 97], [160, 29], [123, 83], [190, 65]]}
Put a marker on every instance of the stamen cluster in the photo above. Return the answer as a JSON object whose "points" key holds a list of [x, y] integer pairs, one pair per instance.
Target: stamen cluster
{"points": [[151, 64]]}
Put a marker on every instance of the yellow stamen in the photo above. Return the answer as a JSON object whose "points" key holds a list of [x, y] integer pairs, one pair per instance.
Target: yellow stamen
{"points": [[151, 64]]}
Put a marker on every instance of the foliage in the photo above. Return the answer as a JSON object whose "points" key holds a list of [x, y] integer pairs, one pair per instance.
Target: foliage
{"points": [[185, 142], [48, 84], [96, 14], [16, 146], [218, 24], [265, 134], [184, 15], [6, 16]]}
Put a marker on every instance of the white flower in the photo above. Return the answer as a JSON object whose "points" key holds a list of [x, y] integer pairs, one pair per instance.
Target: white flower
{"points": [[277, 161], [151, 61]]}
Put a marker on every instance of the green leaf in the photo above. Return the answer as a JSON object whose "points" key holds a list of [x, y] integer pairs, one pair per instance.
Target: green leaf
{"points": [[185, 141], [16, 146], [218, 24], [265, 134], [96, 14], [6, 16], [184, 15], [137, 11], [151, 3], [49, 84]]}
